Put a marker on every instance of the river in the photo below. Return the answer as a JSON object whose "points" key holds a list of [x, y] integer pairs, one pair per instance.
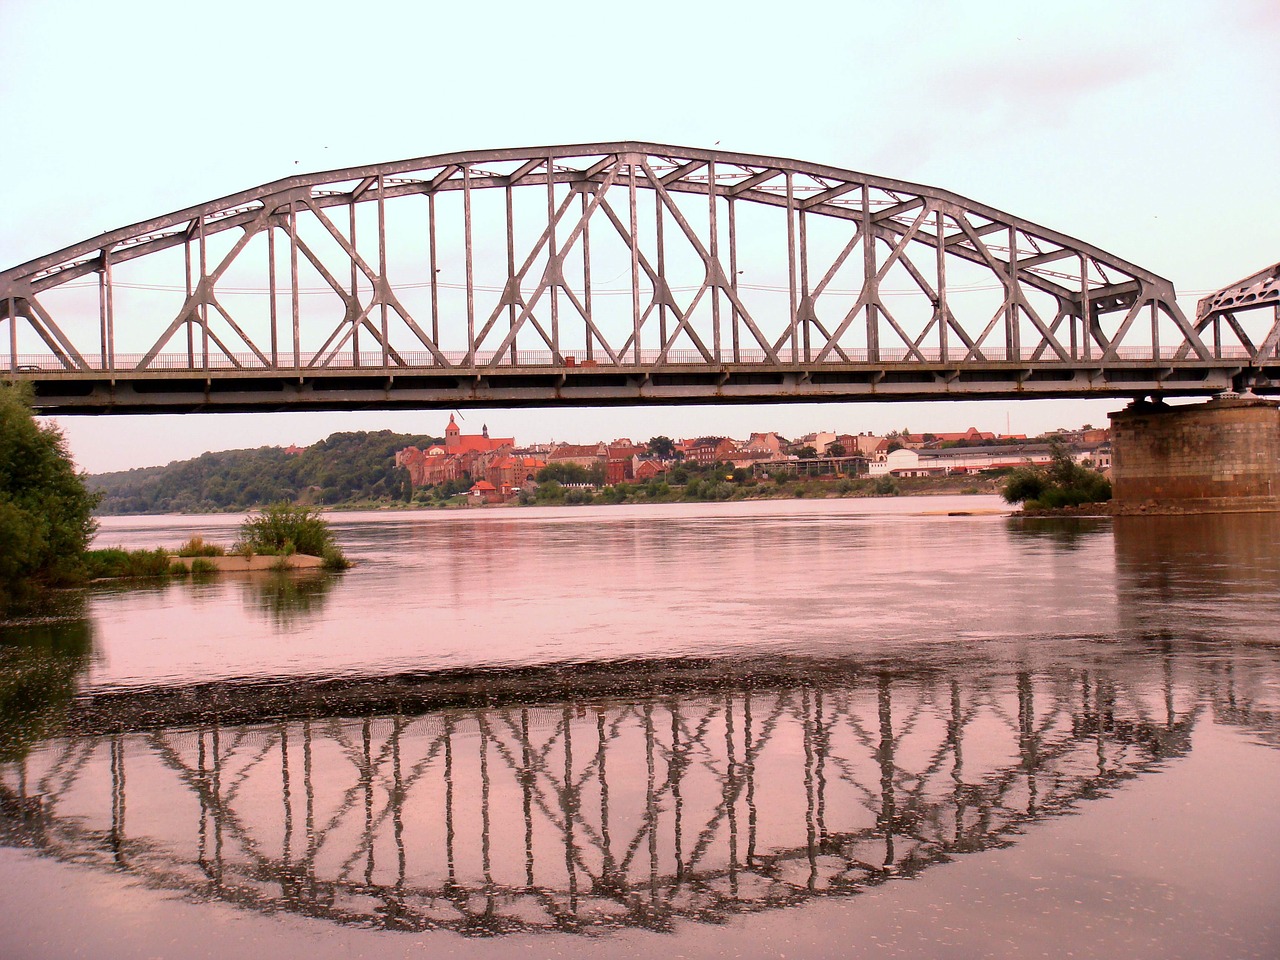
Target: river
{"points": [[903, 727]]}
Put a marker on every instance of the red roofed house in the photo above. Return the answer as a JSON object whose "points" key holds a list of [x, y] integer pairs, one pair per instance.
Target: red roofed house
{"points": [[484, 492], [643, 470], [620, 462]]}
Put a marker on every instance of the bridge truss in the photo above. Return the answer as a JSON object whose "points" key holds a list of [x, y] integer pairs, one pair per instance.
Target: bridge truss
{"points": [[596, 274]]}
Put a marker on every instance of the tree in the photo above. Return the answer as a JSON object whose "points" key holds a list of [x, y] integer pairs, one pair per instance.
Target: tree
{"points": [[807, 453], [1063, 483], [663, 448], [836, 450], [564, 471], [46, 517]]}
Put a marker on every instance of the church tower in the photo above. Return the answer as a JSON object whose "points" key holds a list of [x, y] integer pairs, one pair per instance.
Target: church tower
{"points": [[452, 435]]}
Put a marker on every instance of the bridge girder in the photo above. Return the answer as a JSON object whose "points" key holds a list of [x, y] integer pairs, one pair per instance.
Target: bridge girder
{"points": [[743, 277]]}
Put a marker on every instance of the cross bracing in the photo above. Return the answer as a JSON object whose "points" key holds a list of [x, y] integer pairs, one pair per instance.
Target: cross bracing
{"points": [[592, 812], [600, 273]]}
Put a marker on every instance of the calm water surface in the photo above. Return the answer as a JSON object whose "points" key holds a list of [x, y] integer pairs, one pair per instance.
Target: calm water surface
{"points": [[809, 728]]}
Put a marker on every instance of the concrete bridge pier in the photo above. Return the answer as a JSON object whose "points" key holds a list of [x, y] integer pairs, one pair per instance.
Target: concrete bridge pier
{"points": [[1222, 456]]}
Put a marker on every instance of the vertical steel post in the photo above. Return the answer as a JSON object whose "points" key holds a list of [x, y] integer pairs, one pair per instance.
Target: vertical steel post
{"points": [[13, 334], [714, 231], [354, 308], [944, 310], [662, 270], [383, 283], [293, 283], [102, 311], [435, 272], [586, 276], [870, 287], [271, 293], [511, 271], [1012, 329], [1086, 311], [471, 280], [635, 266], [791, 267], [553, 265], [189, 324], [733, 278], [806, 329], [204, 301]]}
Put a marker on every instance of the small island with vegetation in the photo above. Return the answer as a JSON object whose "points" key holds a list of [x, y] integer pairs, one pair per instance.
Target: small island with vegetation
{"points": [[1060, 487], [47, 522], [279, 537]]}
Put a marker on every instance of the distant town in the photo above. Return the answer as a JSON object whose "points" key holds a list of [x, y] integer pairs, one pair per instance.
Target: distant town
{"points": [[497, 470]]}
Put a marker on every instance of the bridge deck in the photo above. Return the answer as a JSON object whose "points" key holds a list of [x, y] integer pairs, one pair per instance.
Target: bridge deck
{"points": [[171, 383]]}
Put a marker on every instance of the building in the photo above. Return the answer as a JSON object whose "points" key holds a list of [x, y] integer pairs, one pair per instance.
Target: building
{"points": [[460, 455], [906, 462], [484, 492], [584, 455], [710, 449]]}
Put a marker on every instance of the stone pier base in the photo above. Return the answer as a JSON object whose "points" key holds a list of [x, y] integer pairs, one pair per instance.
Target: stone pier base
{"points": [[1217, 457]]}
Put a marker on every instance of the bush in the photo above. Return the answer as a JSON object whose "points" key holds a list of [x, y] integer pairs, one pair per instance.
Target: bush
{"points": [[283, 528], [552, 491], [886, 486], [199, 547], [335, 559], [201, 566], [1063, 483], [1025, 483], [115, 563]]}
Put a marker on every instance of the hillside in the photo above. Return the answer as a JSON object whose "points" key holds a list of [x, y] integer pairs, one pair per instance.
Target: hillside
{"points": [[344, 468]]}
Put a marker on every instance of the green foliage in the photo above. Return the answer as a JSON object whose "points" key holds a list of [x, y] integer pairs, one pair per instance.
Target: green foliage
{"points": [[836, 450], [807, 453], [45, 511], [568, 472], [663, 448], [198, 546], [283, 528], [202, 566], [886, 486], [1063, 483], [116, 563], [550, 491], [1023, 484], [615, 494], [334, 559], [657, 489], [346, 468], [563, 472]]}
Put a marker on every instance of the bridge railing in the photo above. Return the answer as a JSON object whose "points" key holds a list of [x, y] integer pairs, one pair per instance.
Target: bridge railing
{"points": [[544, 359]]}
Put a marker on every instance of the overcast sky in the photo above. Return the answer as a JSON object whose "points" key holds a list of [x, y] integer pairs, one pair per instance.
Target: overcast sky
{"points": [[1149, 129]]}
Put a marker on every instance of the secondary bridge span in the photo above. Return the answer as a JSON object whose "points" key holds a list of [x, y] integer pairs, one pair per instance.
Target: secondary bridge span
{"points": [[595, 274]]}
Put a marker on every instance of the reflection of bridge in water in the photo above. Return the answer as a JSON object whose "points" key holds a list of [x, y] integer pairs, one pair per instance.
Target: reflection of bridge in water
{"points": [[583, 808]]}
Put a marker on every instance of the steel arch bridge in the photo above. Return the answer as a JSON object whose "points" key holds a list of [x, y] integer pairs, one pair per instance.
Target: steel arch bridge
{"points": [[595, 274]]}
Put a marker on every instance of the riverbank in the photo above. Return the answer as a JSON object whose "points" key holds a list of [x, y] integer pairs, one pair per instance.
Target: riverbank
{"points": [[640, 493]]}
